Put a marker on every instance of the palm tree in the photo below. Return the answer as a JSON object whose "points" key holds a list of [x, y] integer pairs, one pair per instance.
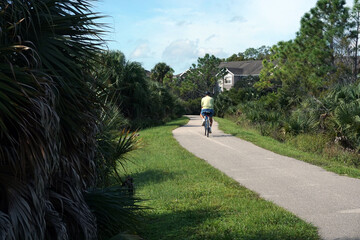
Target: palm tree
{"points": [[159, 72], [125, 83], [48, 118], [140, 100]]}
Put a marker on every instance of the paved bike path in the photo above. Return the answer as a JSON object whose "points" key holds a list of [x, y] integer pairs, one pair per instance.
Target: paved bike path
{"points": [[329, 201]]}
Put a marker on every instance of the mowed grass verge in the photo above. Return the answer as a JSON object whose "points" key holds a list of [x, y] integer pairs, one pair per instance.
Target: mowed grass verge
{"points": [[189, 199], [330, 164]]}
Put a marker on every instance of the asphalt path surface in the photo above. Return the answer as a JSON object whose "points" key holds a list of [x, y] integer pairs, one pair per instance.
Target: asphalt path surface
{"points": [[327, 200]]}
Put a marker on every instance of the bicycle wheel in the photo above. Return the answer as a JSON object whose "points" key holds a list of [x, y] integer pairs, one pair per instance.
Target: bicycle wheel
{"points": [[205, 126]]}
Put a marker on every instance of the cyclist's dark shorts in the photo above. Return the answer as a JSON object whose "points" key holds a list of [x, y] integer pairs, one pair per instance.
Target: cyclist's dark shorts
{"points": [[211, 111]]}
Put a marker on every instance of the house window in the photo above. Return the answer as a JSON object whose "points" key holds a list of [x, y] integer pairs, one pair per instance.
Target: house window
{"points": [[228, 80]]}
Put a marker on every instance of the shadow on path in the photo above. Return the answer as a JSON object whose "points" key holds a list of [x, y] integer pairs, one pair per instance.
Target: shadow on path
{"points": [[187, 126], [221, 135]]}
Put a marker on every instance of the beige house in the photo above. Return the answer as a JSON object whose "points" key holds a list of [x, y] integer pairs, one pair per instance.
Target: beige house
{"points": [[235, 71]]}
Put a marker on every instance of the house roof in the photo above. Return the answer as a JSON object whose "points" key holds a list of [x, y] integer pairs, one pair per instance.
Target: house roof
{"points": [[252, 67], [184, 73]]}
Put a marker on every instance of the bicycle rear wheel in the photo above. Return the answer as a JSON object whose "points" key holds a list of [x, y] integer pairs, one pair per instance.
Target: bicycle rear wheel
{"points": [[206, 125], [207, 128]]}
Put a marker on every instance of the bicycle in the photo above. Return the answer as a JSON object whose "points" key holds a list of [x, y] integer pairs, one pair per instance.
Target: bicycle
{"points": [[207, 123]]}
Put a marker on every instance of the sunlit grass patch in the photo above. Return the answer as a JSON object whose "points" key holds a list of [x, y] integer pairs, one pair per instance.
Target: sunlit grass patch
{"points": [[189, 199]]}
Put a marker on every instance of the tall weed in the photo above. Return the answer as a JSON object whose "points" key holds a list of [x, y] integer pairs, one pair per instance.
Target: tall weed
{"points": [[315, 143]]}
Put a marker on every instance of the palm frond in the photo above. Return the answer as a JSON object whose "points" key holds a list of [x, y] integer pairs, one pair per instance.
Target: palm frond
{"points": [[72, 208], [48, 117], [55, 226], [6, 230], [113, 145], [23, 208], [115, 209]]}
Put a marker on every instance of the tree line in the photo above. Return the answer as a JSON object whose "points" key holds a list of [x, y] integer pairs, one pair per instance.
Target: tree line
{"points": [[308, 86]]}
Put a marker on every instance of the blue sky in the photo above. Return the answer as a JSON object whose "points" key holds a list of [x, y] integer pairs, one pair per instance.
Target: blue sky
{"points": [[179, 31]]}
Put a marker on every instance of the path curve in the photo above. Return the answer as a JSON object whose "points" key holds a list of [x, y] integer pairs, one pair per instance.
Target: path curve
{"points": [[329, 201]]}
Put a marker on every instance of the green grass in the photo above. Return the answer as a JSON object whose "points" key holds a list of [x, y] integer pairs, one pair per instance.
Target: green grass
{"points": [[331, 164], [189, 199]]}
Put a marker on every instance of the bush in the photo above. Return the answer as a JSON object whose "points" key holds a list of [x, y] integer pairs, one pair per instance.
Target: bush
{"points": [[112, 200], [301, 121], [162, 104], [222, 104], [193, 106], [343, 115], [337, 152], [315, 143], [242, 94]]}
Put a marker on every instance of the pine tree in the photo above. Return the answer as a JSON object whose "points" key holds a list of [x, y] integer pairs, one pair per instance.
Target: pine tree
{"points": [[310, 63], [354, 36]]}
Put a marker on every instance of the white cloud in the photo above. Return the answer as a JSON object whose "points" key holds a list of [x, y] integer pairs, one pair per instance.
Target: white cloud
{"points": [[238, 19], [212, 36], [178, 32], [181, 49], [184, 52], [183, 23], [277, 16], [141, 51], [218, 52], [181, 54]]}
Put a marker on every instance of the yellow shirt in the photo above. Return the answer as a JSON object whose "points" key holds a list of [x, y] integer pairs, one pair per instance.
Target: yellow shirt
{"points": [[207, 103]]}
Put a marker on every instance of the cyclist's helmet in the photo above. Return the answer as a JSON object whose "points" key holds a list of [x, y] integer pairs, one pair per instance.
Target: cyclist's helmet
{"points": [[207, 93]]}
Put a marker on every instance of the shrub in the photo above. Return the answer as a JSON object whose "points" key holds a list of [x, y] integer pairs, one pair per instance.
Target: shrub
{"points": [[193, 106], [301, 121], [343, 115], [315, 143], [222, 104], [337, 152]]}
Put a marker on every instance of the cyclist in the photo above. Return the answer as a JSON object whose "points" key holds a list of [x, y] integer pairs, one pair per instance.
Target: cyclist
{"points": [[207, 105]]}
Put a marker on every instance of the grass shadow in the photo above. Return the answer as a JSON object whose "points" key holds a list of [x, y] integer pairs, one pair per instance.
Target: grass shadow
{"points": [[177, 223], [153, 176], [178, 122], [207, 223]]}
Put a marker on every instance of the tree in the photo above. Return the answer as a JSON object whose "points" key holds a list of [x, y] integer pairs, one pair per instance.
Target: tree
{"points": [[160, 71], [140, 100], [333, 17], [125, 84], [235, 57], [321, 36], [354, 36], [260, 53], [201, 77], [263, 53], [307, 66], [283, 71], [222, 104], [48, 119]]}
